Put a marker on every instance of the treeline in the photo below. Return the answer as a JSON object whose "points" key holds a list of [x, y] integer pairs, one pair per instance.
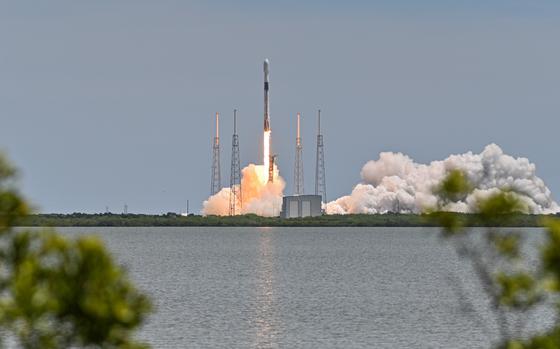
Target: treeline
{"points": [[251, 220]]}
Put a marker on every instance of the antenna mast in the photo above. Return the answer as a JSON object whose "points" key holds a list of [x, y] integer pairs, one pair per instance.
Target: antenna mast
{"points": [[216, 184], [235, 198], [271, 168], [320, 181], [298, 168]]}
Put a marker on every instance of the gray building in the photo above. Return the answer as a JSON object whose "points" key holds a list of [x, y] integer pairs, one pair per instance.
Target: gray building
{"points": [[301, 206]]}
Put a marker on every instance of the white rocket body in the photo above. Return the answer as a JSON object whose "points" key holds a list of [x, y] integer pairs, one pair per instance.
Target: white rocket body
{"points": [[266, 107]]}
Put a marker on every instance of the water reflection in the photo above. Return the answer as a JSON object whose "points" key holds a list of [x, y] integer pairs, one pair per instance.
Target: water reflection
{"points": [[267, 327]]}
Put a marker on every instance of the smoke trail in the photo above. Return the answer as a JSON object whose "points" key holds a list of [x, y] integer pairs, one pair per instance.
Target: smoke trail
{"points": [[395, 183], [259, 196]]}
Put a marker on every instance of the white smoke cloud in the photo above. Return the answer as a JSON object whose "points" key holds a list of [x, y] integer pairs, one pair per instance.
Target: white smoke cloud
{"points": [[258, 195], [395, 183]]}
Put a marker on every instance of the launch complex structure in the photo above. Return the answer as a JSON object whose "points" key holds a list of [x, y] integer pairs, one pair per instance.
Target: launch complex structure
{"points": [[269, 159]]}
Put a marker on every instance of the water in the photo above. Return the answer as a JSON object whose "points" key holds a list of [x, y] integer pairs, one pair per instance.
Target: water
{"points": [[302, 287]]}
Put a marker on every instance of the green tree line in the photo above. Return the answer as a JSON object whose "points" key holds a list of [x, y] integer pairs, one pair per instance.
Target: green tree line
{"points": [[251, 220]]}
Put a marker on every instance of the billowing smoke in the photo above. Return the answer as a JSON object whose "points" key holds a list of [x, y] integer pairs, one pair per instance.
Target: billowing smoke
{"points": [[258, 195], [395, 183]]}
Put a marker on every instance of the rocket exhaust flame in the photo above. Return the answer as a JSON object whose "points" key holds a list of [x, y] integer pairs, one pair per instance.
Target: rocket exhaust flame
{"points": [[266, 151]]}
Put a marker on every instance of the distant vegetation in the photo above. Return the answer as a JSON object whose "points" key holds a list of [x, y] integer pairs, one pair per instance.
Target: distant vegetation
{"points": [[251, 220]]}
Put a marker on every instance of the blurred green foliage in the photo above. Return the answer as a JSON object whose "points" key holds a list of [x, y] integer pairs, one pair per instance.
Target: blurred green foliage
{"points": [[454, 188], [61, 293], [513, 285]]}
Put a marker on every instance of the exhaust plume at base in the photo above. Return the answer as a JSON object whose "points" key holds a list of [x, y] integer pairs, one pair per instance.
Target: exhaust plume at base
{"points": [[259, 196], [395, 183]]}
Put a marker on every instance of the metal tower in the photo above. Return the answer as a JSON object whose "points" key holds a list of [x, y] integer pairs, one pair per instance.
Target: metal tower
{"points": [[320, 182], [235, 198], [216, 184], [271, 168], [298, 167]]}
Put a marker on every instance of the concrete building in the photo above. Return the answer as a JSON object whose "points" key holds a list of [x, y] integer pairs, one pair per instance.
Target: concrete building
{"points": [[301, 206]]}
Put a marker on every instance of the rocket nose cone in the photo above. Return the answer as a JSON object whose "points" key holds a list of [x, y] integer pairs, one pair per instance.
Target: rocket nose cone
{"points": [[265, 65]]}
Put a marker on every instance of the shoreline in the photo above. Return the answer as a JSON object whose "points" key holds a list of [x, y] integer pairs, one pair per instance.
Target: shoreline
{"points": [[250, 220]]}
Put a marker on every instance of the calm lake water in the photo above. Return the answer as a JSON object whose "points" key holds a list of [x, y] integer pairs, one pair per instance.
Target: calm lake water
{"points": [[302, 287]]}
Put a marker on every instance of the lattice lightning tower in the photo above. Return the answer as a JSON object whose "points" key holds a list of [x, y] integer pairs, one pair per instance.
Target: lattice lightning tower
{"points": [[235, 198], [298, 167], [320, 182], [216, 184]]}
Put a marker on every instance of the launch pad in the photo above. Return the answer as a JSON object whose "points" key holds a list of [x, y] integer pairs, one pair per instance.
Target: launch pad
{"points": [[260, 189]]}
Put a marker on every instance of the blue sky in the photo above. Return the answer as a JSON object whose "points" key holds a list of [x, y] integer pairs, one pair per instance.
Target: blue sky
{"points": [[108, 102]]}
